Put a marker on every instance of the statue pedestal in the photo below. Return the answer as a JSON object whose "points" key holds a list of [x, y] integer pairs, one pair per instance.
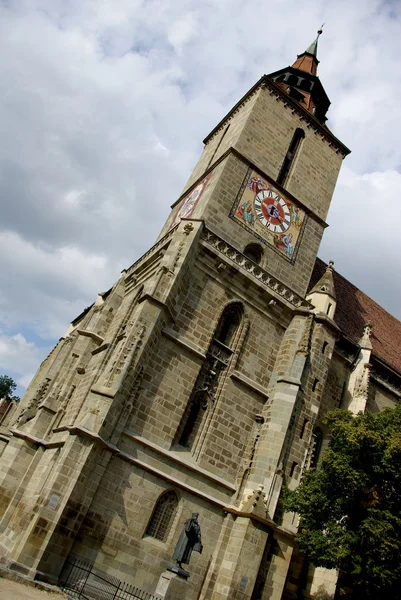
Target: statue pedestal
{"points": [[172, 584]]}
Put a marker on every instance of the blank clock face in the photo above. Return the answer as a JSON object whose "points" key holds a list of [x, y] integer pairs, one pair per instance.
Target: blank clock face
{"points": [[272, 211]]}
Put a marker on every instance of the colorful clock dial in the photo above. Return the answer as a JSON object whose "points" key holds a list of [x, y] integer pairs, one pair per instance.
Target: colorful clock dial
{"points": [[272, 211], [269, 215]]}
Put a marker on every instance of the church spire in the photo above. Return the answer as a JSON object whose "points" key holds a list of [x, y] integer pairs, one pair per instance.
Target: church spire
{"points": [[300, 81], [307, 61]]}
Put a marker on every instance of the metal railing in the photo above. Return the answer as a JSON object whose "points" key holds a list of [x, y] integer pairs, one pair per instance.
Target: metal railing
{"points": [[81, 581]]}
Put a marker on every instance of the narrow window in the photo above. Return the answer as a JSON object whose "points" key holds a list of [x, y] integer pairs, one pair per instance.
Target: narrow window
{"points": [[162, 517], [304, 426], [325, 344], [317, 440], [293, 467], [254, 252], [228, 324], [217, 359], [329, 309], [314, 386], [290, 156]]}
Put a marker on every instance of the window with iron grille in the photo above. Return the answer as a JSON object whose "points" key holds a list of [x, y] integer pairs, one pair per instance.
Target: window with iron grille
{"points": [[162, 517]]}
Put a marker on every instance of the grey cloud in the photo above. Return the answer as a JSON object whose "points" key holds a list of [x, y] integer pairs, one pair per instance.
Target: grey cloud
{"points": [[103, 113]]}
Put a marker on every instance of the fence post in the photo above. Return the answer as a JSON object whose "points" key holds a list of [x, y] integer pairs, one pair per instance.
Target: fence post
{"points": [[115, 593]]}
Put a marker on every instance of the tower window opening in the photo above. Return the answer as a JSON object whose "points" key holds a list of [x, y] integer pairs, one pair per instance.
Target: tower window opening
{"points": [[314, 386], [329, 309], [293, 467], [290, 156], [228, 324], [325, 344], [304, 426], [162, 517], [254, 252]]}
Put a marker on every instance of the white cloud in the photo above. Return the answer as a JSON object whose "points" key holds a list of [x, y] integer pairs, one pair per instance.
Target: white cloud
{"points": [[366, 209], [20, 358], [102, 114]]}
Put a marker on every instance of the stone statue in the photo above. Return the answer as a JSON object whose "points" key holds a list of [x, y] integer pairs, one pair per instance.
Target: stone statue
{"points": [[189, 540]]}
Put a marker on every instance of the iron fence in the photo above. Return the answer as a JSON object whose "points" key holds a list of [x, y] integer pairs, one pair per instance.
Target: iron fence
{"points": [[81, 581]]}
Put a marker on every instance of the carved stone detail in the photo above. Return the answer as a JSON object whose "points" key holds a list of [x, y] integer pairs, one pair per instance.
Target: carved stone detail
{"points": [[260, 274]]}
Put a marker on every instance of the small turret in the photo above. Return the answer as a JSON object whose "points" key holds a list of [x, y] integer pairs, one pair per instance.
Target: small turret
{"points": [[323, 294]]}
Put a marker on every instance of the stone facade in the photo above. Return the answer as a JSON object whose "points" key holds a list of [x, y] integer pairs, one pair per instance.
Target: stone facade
{"points": [[202, 374]]}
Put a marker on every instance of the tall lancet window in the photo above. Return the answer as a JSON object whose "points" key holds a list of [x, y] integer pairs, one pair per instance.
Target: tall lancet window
{"points": [[290, 156], [217, 359]]}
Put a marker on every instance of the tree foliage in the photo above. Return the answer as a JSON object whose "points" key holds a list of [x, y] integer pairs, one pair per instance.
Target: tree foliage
{"points": [[7, 388], [350, 507]]}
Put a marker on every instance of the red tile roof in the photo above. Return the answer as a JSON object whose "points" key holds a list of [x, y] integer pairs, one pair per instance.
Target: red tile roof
{"points": [[354, 309]]}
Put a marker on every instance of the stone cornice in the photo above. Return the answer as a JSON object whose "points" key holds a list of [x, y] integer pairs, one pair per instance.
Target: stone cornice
{"points": [[275, 288], [234, 510]]}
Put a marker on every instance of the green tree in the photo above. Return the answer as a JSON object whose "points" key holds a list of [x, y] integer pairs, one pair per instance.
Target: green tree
{"points": [[350, 507], [7, 388]]}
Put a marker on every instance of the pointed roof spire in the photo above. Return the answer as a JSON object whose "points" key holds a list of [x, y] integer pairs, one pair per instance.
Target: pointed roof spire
{"points": [[326, 283], [307, 61]]}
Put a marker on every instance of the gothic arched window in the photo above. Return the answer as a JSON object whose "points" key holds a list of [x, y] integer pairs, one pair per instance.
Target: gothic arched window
{"points": [[228, 324], [290, 156], [218, 355], [162, 516]]}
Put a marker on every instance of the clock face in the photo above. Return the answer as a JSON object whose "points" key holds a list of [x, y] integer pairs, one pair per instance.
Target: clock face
{"points": [[270, 216], [272, 211]]}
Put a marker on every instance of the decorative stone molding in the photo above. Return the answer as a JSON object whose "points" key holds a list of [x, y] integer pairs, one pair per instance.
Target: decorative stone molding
{"points": [[260, 275]]}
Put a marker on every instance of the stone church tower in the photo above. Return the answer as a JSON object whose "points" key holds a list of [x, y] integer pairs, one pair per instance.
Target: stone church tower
{"points": [[195, 384]]}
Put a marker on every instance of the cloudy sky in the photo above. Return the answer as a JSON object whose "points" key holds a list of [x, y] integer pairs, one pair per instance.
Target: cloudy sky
{"points": [[103, 108]]}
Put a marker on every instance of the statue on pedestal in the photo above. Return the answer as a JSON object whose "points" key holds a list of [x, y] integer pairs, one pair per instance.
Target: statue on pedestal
{"points": [[189, 540]]}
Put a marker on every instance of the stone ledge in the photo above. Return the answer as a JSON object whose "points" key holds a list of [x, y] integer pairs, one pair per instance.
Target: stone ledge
{"points": [[177, 459], [190, 346], [146, 467], [40, 442], [234, 510], [159, 303], [250, 383], [95, 337], [290, 380], [102, 390]]}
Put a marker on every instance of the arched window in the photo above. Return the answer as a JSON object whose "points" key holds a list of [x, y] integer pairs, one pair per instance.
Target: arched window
{"points": [[290, 156], [162, 517], [218, 355], [228, 324], [254, 252]]}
